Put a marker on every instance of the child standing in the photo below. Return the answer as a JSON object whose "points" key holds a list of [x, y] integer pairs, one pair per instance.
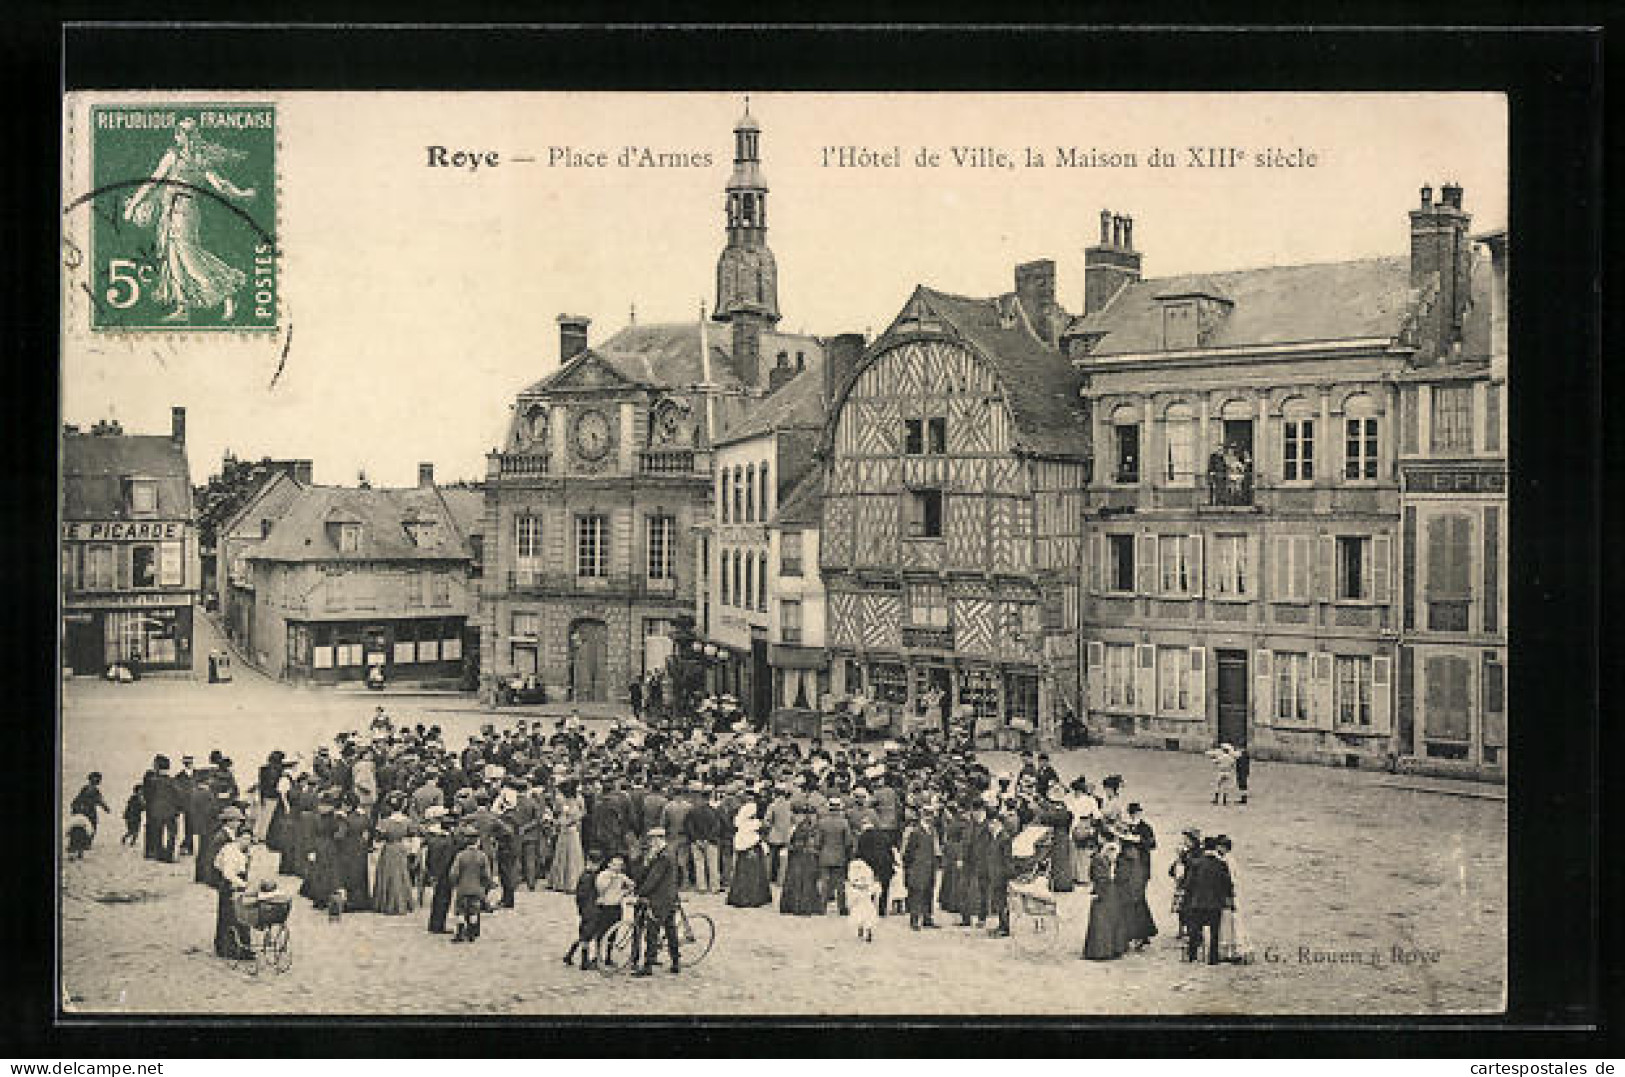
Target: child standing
{"points": [[586, 911], [133, 809], [863, 897]]}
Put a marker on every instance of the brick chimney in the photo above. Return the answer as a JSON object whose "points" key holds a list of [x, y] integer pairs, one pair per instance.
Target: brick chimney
{"points": [[841, 357], [1035, 287], [304, 472], [177, 425], [426, 474], [1111, 263], [1441, 260], [572, 335]]}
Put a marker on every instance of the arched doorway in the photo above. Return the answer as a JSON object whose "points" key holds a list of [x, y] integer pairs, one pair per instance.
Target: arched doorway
{"points": [[589, 661]]}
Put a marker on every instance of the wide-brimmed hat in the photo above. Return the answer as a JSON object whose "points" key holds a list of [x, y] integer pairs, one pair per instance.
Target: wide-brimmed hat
{"points": [[231, 814]]}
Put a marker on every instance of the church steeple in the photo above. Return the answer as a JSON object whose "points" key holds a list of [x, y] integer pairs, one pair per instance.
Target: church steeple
{"points": [[747, 276]]}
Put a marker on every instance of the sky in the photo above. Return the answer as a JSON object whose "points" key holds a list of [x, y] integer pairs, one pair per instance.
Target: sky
{"points": [[421, 299]]}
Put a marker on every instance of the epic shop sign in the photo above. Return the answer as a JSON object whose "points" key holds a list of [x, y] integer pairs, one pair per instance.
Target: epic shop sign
{"points": [[123, 531]]}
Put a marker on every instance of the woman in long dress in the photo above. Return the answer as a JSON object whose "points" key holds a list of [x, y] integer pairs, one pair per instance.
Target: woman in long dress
{"points": [[800, 894], [354, 839], [749, 888], [392, 892], [294, 832], [1063, 872], [569, 860], [1138, 842], [1234, 945], [322, 859], [189, 276], [950, 887], [1105, 940]]}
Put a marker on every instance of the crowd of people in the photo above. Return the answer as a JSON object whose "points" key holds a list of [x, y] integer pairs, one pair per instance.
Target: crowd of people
{"points": [[393, 818]]}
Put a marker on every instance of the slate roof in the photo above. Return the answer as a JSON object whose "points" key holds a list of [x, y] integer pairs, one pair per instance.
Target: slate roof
{"points": [[799, 404], [467, 508], [94, 467], [302, 533], [805, 503], [660, 355], [1275, 305], [1040, 386]]}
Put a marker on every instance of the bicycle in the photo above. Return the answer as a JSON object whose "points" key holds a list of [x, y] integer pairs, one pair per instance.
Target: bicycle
{"points": [[696, 934]]}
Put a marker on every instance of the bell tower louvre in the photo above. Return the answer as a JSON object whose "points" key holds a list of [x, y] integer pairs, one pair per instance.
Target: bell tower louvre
{"points": [[747, 276]]}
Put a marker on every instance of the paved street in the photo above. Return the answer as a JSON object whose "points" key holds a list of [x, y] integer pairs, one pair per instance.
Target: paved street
{"points": [[1332, 866]]}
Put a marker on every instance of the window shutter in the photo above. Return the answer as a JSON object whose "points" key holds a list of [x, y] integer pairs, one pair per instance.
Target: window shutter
{"points": [[1381, 570], [1255, 571], [1146, 564], [121, 558], [1322, 689], [1264, 688], [1097, 674], [1328, 568], [1098, 564], [1199, 681], [1196, 565], [1145, 678], [1283, 567], [1381, 710]]}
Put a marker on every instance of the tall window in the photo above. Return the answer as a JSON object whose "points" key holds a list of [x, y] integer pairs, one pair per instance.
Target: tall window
{"points": [[750, 494], [1120, 563], [99, 573], [527, 539], [592, 547], [1353, 555], [727, 580], [1297, 442], [661, 547], [1021, 697], [1179, 461], [739, 496], [738, 593], [349, 538], [1360, 448], [762, 498], [1118, 691], [1292, 686], [790, 553], [913, 436], [749, 601], [761, 582], [1449, 572], [1352, 690], [1174, 679], [1230, 576], [790, 620], [1174, 554], [925, 514], [440, 585], [722, 496], [1452, 418], [927, 605], [143, 566], [1126, 438], [1292, 567]]}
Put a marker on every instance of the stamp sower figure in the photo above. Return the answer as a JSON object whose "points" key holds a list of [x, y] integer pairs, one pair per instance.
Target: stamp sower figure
{"points": [[189, 277]]}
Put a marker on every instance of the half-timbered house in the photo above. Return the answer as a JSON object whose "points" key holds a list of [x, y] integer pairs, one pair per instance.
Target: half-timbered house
{"points": [[953, 512]]}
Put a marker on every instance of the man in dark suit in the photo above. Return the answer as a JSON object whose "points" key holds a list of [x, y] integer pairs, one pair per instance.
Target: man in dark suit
{"points": [[996, 868], [834, 852], [186, 782], [920, 870], [657, 889], [163, 806], [1208, 892]]}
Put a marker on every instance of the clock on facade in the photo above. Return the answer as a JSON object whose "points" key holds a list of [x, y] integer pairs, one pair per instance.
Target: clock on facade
{"points": [[592, 435]]}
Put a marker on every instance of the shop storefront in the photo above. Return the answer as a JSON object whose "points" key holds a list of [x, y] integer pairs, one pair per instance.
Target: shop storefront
{"points": [[409, 649], [148, 636], [1000, 705]]}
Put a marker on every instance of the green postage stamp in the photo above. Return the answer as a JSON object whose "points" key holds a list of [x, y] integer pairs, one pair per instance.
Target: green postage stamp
{"points": [[183, 217]]}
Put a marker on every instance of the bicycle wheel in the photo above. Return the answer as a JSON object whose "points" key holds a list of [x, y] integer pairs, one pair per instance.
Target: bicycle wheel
{"points": [[699, 934], [277, 949], [617, 954]]}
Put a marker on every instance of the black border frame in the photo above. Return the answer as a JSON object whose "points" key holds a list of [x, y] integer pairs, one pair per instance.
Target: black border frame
{"points": [[1553, 76]]}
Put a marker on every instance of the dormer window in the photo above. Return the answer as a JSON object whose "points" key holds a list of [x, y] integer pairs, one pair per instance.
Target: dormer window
{"points": [[143, 497], [349, 538], [1179, 326]]}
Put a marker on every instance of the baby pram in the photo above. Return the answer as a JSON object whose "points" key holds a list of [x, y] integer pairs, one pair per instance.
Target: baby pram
{"points": [[1030, 853], [262, 922]]}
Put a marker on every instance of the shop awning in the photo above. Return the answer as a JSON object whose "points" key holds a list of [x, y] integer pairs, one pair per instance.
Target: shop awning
{"points": [[790, 656]]}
